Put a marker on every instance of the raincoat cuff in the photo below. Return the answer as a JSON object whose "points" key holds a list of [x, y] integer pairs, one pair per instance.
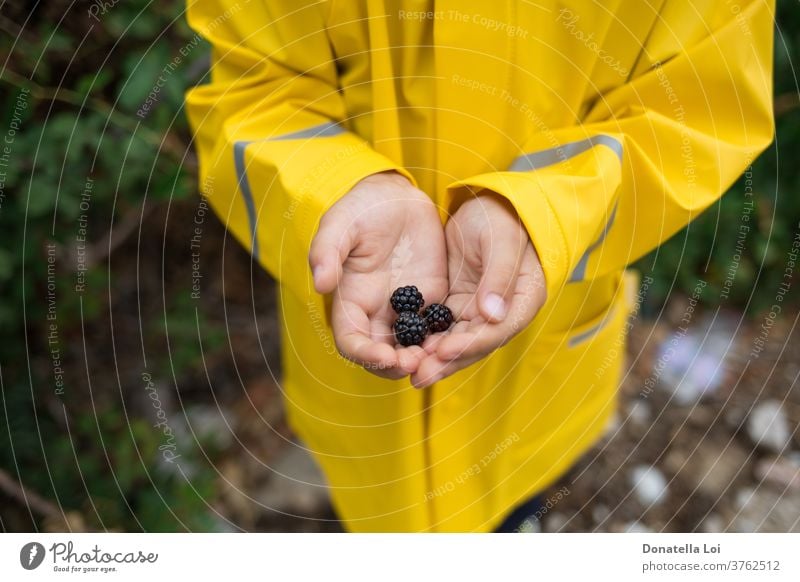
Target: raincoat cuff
{"points": [[535, 212], [329, 187]]}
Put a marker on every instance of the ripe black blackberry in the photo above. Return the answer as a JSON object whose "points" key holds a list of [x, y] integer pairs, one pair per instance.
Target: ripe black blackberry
{"points": [[438, 317], [410, 329], [407, 298]]}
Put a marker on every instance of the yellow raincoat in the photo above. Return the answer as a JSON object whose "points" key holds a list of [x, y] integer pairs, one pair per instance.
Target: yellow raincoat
{"points": [[608, 125]]}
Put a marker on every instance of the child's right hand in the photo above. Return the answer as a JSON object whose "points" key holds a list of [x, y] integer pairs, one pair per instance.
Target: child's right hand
{"points": [[381, 235]]}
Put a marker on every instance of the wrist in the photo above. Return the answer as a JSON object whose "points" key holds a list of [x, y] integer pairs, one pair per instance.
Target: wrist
{"points": [[491, 204], [390, 177]]}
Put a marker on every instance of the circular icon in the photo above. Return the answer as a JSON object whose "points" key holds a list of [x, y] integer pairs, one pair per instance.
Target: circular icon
{"points": [[31, 555]]}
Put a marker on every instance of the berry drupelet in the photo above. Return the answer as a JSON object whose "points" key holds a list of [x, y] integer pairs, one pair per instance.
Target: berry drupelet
{"points": [[407, 298], [410, 329], [438, 317]]}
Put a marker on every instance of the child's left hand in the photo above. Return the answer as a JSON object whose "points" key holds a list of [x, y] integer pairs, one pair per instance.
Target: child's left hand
{"points": [[496, 286]]}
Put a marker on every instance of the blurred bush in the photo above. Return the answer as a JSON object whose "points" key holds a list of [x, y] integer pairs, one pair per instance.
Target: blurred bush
{"points": [[97, 102], [83, 162]]}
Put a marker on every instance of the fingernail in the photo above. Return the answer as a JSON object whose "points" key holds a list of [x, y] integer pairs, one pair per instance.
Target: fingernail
{"points": [[495, 306], [315, 272]]}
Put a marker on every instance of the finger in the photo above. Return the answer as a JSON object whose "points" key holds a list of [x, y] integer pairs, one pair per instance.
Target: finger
{"points": [[432, 341], [477, 342], [366, 352], [502, 250], [432, 369], [351, 330], [329, 249], [386, 373], [462, 305], [479, 338], [409, 359]]}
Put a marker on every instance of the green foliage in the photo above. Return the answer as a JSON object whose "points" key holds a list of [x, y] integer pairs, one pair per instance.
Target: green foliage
{"points": [[74, 87], [107, 466]]}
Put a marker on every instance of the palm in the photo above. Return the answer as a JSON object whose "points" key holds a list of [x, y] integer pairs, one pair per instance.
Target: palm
{"points": [[466, 271], [401, 248], [395, 238]]}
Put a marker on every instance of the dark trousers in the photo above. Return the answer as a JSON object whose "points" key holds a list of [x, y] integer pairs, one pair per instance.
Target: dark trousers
{"points": [[513, 522]]}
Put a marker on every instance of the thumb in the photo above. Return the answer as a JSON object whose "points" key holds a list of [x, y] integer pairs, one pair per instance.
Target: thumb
{"points": [[329, 249], [501, 255]]}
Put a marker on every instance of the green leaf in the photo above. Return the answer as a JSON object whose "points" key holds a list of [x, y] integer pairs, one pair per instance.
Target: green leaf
{"points": [[142, 77], [92, 84], [6, 265]]}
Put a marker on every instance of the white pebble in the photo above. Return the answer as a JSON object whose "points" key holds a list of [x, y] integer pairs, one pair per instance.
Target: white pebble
{"points": [[639, 412], [768, 427], [555, 521], [743, 497], [599, 513], [713, 524], [649, 484], [636, 527]]}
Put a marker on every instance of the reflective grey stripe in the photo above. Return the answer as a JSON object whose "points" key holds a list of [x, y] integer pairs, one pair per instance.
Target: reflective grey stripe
{"points": [[326, 129], [544, 158], [580, 269], [592, 331], [244, 188]]}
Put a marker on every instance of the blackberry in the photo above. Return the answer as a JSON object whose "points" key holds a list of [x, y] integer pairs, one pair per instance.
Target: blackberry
{"points": [[438, 317], [410, 329], [407, 298]]}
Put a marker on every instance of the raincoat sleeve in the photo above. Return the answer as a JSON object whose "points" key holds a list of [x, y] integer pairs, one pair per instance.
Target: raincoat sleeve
{"points": [[650, 154], [270, 128]]}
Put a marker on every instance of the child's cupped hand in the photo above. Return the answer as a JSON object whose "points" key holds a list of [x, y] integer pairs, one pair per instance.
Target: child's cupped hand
{"points": [[496, 286], [382, 234]]}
